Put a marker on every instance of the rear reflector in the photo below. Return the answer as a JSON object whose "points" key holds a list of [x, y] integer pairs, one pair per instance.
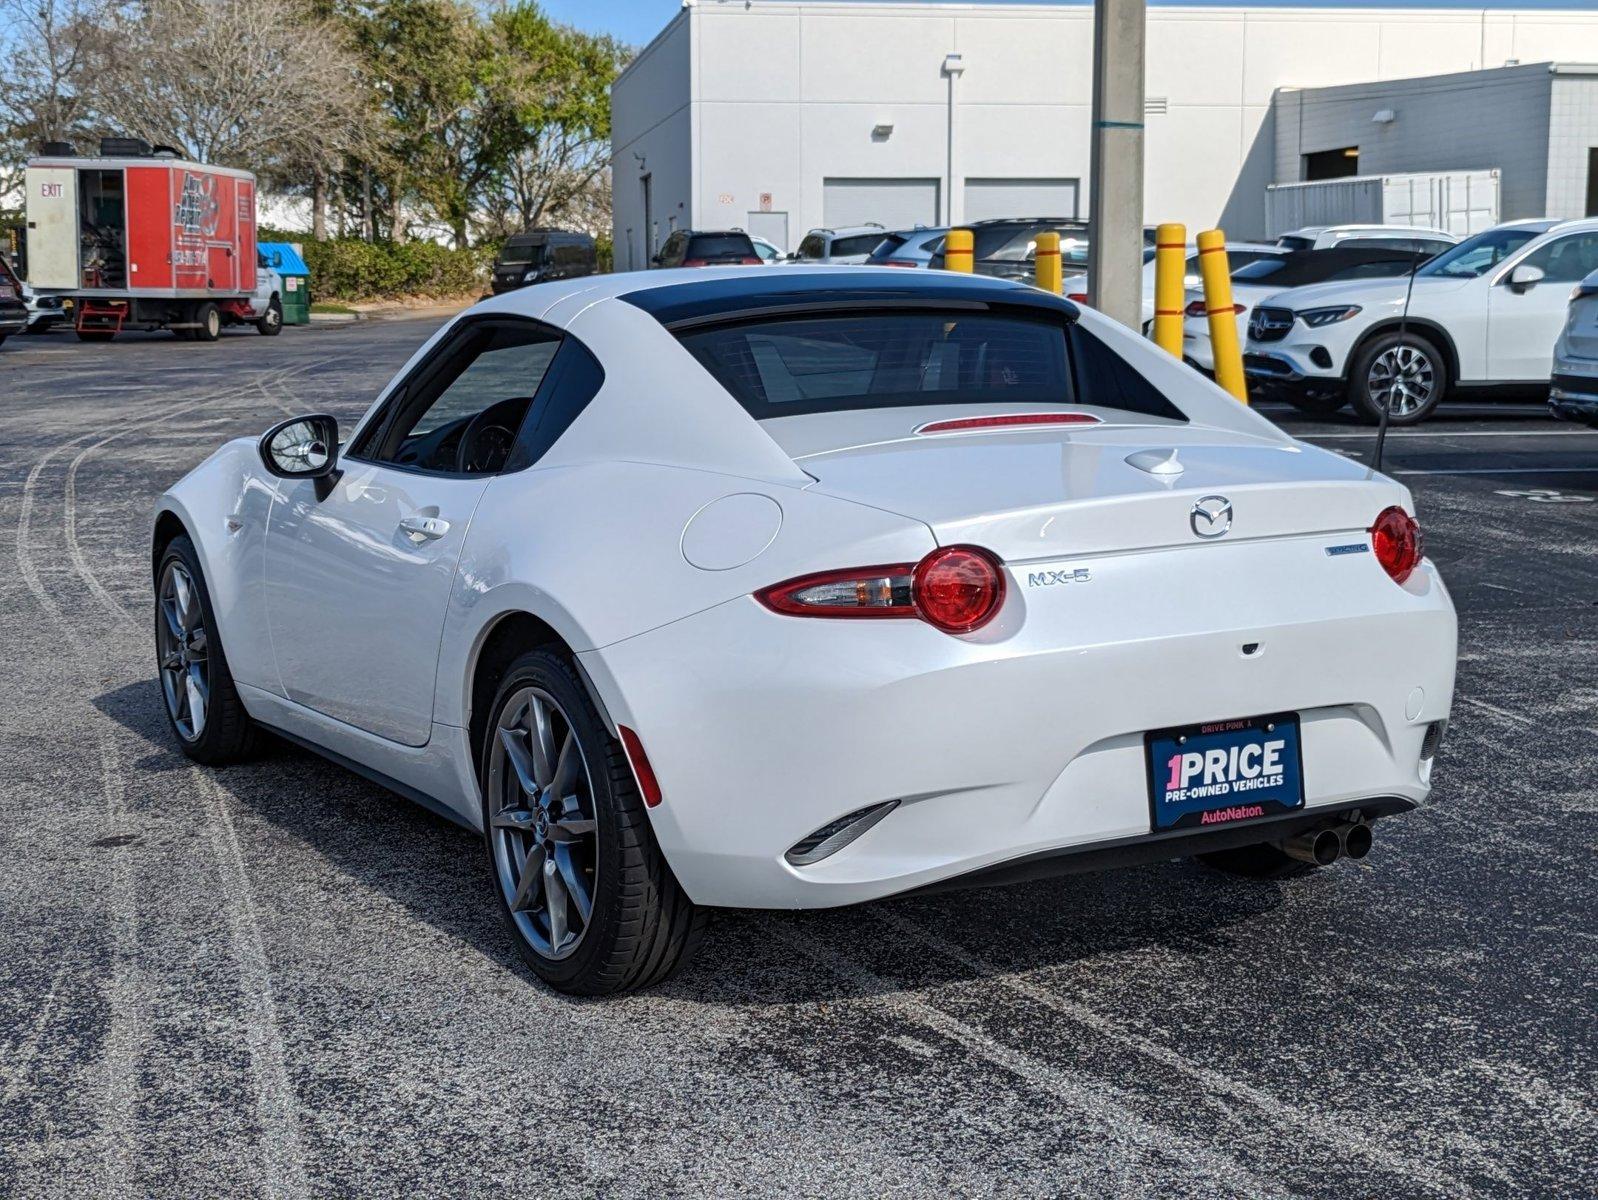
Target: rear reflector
{"points": [[648, 785], [1009, 421]]}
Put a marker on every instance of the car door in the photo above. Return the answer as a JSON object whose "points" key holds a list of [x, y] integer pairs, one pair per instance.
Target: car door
{"points": [[359, 574], [1524, 322]]}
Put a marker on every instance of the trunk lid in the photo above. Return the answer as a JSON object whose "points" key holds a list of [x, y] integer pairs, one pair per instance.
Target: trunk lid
{"points": [[1081, 490]]}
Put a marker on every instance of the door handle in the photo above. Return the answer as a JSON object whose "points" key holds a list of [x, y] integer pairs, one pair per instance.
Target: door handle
{"points": [[424, 529]]}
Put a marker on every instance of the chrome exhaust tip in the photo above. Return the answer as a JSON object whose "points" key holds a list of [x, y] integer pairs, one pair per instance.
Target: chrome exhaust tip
{"points": [[1357, 838], [1322, 847]]}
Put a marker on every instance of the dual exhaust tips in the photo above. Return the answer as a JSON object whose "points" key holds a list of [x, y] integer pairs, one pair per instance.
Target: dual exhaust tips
{"points": [[1324, 846]]}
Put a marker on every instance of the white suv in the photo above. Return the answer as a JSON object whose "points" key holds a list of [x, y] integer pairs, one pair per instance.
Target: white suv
{"points": [[1408, 238], [1485, 312], [1574, 394]]}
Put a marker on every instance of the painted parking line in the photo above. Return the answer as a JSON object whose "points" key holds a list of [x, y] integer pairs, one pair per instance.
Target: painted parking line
{"points": [[1397, 434], [1593, 470]]}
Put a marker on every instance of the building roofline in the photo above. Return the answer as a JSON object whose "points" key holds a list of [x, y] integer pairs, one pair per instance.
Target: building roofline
{"points": [[650, 46]]}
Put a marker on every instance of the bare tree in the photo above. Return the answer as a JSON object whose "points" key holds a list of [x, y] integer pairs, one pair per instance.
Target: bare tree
{"points": [[260, 84], [47, 58]]}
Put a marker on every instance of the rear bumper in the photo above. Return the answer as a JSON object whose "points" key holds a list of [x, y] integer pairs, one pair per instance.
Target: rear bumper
{"points": [[1574, 397], [1026, 739]]}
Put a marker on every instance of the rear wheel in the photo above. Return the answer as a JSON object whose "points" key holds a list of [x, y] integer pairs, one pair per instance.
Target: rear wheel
{"points": [[1263, 861], [583, 886], [1407, 375], [207, 323], [202, 705]]}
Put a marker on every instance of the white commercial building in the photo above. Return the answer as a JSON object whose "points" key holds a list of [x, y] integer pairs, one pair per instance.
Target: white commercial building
{"points": [[781, 115]]}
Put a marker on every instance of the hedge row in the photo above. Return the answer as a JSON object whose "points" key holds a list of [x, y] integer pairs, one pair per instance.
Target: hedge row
{"points": [[350, 269]]}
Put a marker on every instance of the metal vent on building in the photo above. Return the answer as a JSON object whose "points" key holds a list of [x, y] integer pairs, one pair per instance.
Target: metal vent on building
{"points": [[1156, 106]]}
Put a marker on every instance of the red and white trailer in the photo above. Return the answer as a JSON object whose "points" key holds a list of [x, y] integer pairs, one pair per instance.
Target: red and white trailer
{"points": [[146, 241]]}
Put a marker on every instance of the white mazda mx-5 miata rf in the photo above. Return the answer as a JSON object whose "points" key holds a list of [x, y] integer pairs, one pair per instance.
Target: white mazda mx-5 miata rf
{"points": [[802, 588]]}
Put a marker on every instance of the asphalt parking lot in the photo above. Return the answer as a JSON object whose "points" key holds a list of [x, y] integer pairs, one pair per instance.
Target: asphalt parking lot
{"points": [[281, 980]]}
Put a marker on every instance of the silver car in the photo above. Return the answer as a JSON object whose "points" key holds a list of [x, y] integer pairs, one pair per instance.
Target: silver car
{"points": [[909, 247], [851, 244], [1574, 391]]}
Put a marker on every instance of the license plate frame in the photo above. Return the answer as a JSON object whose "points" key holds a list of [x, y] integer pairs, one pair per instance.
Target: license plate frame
{"points": [[1251, 801]]}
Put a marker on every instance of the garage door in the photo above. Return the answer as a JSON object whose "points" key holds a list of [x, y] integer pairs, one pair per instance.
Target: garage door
{"points": [[985, 198], [892, 203]]}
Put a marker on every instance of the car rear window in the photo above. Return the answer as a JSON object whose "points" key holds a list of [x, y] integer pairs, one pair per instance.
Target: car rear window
{"points": [[885, 248], [720, 245], [792, 366], [860, 243]]}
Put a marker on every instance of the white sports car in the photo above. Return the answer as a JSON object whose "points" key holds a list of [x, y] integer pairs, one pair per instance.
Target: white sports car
{"points": [[803, 588]]}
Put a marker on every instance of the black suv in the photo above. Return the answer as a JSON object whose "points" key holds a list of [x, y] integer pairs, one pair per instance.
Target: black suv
{"points": [[540, 255], [706, 248]]}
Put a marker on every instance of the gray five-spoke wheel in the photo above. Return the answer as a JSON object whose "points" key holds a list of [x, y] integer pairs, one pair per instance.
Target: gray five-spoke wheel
{"points": [[1401, 379], [183, 648], [543, 830]]}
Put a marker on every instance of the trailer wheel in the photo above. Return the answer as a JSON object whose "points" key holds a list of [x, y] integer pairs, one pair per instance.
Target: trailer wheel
{"points": [[207, 323], [271, 322]]}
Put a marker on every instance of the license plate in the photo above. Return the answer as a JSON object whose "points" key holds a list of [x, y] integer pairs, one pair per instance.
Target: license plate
{"points": [[1224, 771]]}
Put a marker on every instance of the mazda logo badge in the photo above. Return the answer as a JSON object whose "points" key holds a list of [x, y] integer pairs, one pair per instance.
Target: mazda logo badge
{"points": [[1211, 516]]}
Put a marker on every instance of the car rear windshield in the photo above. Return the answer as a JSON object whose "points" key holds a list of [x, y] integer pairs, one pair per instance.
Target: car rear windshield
{"points": [[859, 243], [885, 248], [521, 254], [792, 366], [712, 246]]}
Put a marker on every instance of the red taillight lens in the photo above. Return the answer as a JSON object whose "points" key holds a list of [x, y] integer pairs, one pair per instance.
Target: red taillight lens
{"points": [[1077, 297], [1397, 541], [1196, 308], [750, 260], [695, 262], [1008, 420], [896, 262], [957, 589], [648, 785]]}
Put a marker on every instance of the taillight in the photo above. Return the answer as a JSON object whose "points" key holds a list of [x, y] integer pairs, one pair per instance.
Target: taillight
{"points": [[896, 262], [1009, 420], [957, 589], [1397, 541], [1077, 297], [696, 262], [750, 260]]}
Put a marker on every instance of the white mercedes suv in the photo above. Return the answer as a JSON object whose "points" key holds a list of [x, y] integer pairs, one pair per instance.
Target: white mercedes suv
{"points": [[1485, 313]]}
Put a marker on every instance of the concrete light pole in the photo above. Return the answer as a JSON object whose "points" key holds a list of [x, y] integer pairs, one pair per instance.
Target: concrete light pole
{"points": [[1115, 192]]}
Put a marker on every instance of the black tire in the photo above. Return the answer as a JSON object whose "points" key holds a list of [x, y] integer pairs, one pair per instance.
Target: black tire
{"points": [[228, 734], [1368, 407], [643, 926], [1319, 405], [95, 335], [207, 322], [1262, 861], [271, 323]]}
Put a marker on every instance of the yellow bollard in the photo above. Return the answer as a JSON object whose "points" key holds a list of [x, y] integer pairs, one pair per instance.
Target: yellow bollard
{"points": [[1046, 262], [1170, 269], [1223, 316], [957, 255]]}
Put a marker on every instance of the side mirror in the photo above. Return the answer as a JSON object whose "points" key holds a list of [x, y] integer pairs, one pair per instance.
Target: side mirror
{"points": [[1525, 276], [301, 448]]}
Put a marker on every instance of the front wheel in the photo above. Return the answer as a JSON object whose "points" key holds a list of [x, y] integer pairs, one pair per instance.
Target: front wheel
{"points": [[582, 884], [202, 705], [1407, 375], [271, 322]]}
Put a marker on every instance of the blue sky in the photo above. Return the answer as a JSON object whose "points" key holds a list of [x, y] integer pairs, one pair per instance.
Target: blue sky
{"points": [[636, 21]]}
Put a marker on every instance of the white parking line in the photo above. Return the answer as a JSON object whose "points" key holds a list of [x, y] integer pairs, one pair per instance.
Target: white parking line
{"points": [[1592, 470]]}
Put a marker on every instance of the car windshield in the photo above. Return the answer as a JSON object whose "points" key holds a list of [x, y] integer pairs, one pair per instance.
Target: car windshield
{"points": [[521, 254], [1481, 253]]}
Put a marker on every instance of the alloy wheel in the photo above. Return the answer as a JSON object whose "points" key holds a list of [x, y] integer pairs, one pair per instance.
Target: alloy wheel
{"points": [[543, 826], [183, 648], [1401, 379]]}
